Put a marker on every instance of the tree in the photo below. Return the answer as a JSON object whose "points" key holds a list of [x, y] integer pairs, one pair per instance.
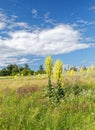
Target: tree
{"points": [[4, 72], [26, 66], [26, 72], [41, 70], [74, 68], [84, 68]]}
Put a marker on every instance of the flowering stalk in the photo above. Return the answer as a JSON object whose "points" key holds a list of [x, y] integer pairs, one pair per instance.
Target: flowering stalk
{"points": [[58, 71], [92, 67], [49, 66]]}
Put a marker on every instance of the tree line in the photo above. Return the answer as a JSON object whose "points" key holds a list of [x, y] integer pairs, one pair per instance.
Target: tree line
{"points": [[14, 69]]}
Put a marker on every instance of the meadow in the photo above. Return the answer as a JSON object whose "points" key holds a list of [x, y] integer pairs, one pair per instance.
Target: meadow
{"points": [[25, 106]]}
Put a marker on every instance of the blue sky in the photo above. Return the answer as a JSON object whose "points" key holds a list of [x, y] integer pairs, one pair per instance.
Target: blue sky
{"points": [[32, 29]]}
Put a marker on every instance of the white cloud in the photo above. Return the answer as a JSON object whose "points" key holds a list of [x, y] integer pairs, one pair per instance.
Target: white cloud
{"points": [[34, 13], [3, 20], [2, 25], [5, 61], [84, 22], [47, 18], [60, 39], [22, 25], [3, 16], [10, 23], [92, 8]]}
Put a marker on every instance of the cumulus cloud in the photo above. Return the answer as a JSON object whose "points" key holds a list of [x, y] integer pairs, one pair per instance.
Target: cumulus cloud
{"points": [[59, 39]]}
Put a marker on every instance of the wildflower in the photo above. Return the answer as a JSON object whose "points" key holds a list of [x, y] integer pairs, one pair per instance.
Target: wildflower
{"points": [[88, 70], [22, 74], [15, 76], [58, 70], [72, 72], [92, 67], [39, 76], [49, 66], [81, 70], [68, 72]]}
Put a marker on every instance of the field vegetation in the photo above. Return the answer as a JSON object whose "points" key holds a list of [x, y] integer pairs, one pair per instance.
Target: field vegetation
{"points": [[63, 101]]}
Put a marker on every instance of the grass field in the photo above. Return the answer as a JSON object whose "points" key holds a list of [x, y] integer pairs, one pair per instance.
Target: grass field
{"points": [[25, 106]]}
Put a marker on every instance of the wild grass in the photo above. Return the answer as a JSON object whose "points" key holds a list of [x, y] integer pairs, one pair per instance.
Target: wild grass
{"points": [[24, 105]]}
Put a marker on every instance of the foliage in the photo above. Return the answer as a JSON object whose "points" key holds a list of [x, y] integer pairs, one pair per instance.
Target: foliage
{"points": [[26, 72], [13, 69], [74, 68], [81, 70], [26, 107], [84, 68], [41, 70]]}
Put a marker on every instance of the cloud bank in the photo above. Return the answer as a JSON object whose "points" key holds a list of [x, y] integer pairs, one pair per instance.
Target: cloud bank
{"points": [[59, 39]]}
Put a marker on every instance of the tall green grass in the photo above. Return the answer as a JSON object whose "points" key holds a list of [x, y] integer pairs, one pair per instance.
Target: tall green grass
{"points": [[27, 107]]}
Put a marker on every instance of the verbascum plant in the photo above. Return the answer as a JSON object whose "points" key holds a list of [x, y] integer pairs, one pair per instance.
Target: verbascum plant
{"points": [[49, 65], [58, 71], [48, 68], [72, 72], [88, 70], [81, 70], [58, 74], [92, 67], [68, 72]]}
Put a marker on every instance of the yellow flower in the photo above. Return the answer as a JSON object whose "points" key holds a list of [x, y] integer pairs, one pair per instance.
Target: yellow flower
{"points": [[39, 76], [92, 67], [48, 65], [15, 76], [81, 70], [22, 75], [72, 72], [58, 70], [68, 72], [88, 70]]}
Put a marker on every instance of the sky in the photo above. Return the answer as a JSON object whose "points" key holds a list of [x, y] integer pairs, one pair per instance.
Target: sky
{"points": [[30, 30]]}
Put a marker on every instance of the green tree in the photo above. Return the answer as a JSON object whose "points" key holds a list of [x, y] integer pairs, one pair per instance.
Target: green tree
{"points": [[26, 66], [41, 70]]}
